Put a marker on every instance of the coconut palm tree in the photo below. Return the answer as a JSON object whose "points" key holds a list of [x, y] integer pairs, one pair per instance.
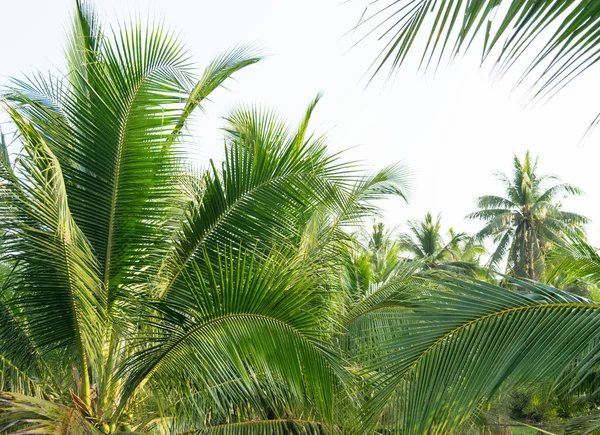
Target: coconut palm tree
{"points": [[139, 295], [527, 220], [424, 242]]}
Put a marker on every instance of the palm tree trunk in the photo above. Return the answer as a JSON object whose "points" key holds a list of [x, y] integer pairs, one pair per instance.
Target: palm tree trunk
{"points": [[531, 253]]}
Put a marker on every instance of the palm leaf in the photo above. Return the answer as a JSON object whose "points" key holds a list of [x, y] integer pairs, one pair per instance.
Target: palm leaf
{"points": [[114, 128], [263, 194], [248, 330], [466, 339], [270, 427], [58, 289], [568, 29]]}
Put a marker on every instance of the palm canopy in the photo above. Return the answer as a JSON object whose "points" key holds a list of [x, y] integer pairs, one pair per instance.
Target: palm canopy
{"points": [[137, 293], [425, 242], [527, 220]]}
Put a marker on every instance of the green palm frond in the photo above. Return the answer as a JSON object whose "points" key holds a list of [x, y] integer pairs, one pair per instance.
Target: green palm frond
{"points": [[491, 202], [25, 415], [18, 353], [247, 326], [264, 192], [392, 293], [583, 425], [58, 289], [114, 127], [577, 259], [560, 189], [503, 30], [465, 339], [271, 427]]}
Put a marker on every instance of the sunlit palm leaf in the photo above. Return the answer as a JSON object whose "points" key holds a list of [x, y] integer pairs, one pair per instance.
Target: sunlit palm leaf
{"points": [[57, 287], [114, 127], [249, 330], [504, 30], [263, 194], [24, 415]]}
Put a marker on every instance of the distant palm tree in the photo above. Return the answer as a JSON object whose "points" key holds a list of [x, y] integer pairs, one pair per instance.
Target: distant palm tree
{"points": [[527, 220], [424, 242]]}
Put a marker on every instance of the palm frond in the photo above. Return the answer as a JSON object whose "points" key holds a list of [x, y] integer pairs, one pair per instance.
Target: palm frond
{"points": [[271, 427], [247, 326], [263, 194], [465, 339], [505, 28], [58, 289], [25, 415]]}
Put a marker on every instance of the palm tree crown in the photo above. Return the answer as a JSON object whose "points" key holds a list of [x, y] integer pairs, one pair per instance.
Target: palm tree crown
{"points": [[527, 220], [424, 241]]}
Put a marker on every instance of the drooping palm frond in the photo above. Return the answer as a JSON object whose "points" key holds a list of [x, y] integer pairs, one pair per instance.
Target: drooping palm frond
{"points": [[583, 425], [25, 415], [57, 288], [19, 355], [503, 30], [465, 339]]}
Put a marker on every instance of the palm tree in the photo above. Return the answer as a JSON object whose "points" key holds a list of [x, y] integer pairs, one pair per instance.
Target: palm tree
{"points": [[138, 294], [527, 220], [425, 242]]}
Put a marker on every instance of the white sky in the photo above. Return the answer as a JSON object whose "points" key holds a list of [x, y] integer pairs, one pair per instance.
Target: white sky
{"points": [[453, 130]]}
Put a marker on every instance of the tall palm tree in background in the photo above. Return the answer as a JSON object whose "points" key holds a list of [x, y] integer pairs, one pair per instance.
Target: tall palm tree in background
{"points": [[528, 220], [425, 242], [137, 294]]}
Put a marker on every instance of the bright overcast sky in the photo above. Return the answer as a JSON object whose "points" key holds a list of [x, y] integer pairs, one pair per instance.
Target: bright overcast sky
{"points": [[453, 130]]}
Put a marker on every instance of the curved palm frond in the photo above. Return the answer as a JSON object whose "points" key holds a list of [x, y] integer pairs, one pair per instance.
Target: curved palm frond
{"points": [[268, 188], [58, 288], [114, 127], [29, 416], [249, 330], [503, 30], [464, 339], [577, 259]]}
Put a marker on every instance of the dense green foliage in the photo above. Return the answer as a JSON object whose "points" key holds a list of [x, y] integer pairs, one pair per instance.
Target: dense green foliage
{"points": [[138, 295]]}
